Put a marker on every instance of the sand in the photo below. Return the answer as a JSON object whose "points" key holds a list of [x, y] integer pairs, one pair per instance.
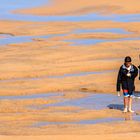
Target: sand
{"points": [[68, 137], [127, 136], [57, 64], [62, 7], [22, 28], [35, 63]]}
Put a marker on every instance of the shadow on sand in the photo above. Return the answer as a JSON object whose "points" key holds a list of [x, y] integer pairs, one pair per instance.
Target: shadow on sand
{"points": [[116, 106]]}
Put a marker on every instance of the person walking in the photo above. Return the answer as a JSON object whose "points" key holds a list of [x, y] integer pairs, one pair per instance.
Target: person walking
{"points": [[126, 78]]}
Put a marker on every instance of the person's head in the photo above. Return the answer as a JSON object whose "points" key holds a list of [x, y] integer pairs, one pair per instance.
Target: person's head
{"points": [[127, 61]]}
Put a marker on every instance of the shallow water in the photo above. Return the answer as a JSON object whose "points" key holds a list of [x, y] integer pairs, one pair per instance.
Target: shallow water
{"points": [[8, 39], [105, 30], [31, 96], [7, 7], [89, 122], [93, 41], [82, 74], [93, 101], [96, 121], [59, 76]]}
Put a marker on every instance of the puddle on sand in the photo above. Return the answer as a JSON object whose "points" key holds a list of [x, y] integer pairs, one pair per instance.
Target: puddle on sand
{"points": [[93, 101], [81, 74], [8, 39], [95, 121], [93, 41], [31, 96], [7, 14], [58, 76], [89, 122], [7, 7], [103, 30]]}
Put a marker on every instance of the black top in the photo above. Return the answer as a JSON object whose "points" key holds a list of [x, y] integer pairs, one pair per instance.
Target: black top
{"points": [[139, 71], [125, 81]]}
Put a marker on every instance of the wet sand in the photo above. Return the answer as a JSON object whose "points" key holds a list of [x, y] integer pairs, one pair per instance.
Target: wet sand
{"points": [[58, 74], [127, 136], [55, 64], [40, 69], [60, 114], [63, 27], [62, 7]]}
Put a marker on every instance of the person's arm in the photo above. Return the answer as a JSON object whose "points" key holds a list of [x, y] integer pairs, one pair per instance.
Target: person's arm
{"points": [[135, 73], [118, 82]]}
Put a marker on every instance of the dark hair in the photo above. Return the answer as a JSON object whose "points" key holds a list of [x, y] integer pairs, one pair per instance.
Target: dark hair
{"points": [[127, 59]]}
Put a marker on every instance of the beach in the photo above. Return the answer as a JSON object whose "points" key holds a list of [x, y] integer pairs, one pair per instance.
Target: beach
{"points": [[59, 62]]}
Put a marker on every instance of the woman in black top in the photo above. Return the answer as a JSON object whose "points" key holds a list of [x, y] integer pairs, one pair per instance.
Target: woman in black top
{"points": [[126, 77]]}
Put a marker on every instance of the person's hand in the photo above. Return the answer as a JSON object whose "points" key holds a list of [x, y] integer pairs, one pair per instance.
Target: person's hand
{"points": [[118, 93]]}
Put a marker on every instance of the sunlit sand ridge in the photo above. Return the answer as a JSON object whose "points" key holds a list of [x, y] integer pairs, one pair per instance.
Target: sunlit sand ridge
{"points": [[59, 62]]}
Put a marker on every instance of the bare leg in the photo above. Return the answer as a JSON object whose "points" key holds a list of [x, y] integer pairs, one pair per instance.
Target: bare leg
{"points": [[125, 104], [130, 104]]}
